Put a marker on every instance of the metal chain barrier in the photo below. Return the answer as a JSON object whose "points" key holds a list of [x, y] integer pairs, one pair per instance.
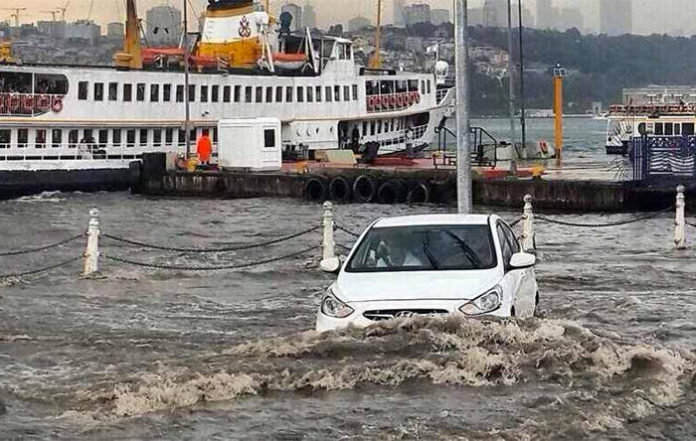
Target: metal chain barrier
{"points": [[209, 268], [43, 248], [691, 224], [346, 230], [515, 222], [209, 250], [611, 224], [41, 270]]}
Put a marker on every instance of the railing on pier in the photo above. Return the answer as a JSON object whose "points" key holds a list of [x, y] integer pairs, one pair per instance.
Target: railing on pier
{"points": [[664, 159], [484, 151], [86, 151]]}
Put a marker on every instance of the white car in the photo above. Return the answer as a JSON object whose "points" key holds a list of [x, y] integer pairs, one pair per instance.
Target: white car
{"points": [[470, 265]]}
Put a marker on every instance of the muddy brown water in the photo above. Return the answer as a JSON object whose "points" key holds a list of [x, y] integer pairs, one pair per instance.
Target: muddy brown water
{"points": [[163, 355]]}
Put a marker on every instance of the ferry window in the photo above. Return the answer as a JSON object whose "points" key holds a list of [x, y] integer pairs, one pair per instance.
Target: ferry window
{"points": [[248, 92], [215, 135], [413, 85], [166, 93], [364, 128], [130, 138], [50, 84], [337, 93], [279, 94], [140, 92], [169, 136], [127, 92], [329, 95], [386, 87], [179, 93], [659, 130], [677, 129], [429, 89], [22, 138], [310, 94], [40, 139], [98, 91], [669, 129], [226, 94], [269, 138], [56, 138], [204, 94], [259, 94], [116, 137], [143, 137], [113, 91], [687, 129], [157, 137], [237, 94], [103, 138], [641, 128], [269, 94], [346, 93], [182, 137], [192, 134], [192, 93], [371, 88], [300, 94], [355, 92], [73, 138], [154, 93], [82, 90], [401, 86], [422, 91], [288, 94], [215, 94], [318, 93], [5, 138], [379, 126], [372, 128]]}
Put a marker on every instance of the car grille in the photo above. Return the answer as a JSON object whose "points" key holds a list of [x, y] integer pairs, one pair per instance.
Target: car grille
{"points": [[389, 314]]}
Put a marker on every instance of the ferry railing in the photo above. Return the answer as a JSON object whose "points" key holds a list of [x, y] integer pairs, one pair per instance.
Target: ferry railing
{"points": [[483, 145], [88, 151], [29, 104], [408, 99]]}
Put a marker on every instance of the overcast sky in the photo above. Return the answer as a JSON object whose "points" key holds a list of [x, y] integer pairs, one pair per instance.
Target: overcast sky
{"points": [[648, 15]]}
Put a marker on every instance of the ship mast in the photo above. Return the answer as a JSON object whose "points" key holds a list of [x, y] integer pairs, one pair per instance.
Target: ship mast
{"points": [[187, 69], [131, 56], [376, 60]]}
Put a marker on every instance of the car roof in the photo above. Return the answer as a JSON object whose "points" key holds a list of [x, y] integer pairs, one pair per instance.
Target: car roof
{"points": [[432, 219]]}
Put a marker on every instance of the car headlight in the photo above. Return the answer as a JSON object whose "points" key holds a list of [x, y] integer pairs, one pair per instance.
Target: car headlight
{"points": [[485, 303], [333, 307]]}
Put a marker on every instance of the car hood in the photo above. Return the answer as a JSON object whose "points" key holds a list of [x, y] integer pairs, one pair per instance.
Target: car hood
{"points": [[415, 285]]}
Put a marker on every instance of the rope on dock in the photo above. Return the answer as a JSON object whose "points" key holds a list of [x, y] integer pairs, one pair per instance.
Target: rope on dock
{"points": [[209, 268], [42, 248], [611, 224], [210, 250], [41, 270]]}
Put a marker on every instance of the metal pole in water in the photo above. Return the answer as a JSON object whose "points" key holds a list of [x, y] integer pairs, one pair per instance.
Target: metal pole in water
{"points": [[522, 109], [511, 70], [558, 74], [680, 221], [464, 195], [187, 68], [91, 261]]}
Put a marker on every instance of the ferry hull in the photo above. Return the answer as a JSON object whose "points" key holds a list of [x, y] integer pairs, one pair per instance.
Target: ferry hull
{"points": [[16, 183]]}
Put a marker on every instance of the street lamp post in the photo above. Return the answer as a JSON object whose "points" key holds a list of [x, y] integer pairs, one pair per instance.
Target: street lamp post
{"points": [[464, 193]]}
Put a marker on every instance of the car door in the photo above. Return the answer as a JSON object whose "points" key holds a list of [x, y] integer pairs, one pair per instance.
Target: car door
{"points": [[526, 294], [512, 278]]}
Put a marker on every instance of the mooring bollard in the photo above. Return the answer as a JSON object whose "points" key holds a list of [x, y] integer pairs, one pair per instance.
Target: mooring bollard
{"points": [[528, 225], [91, 262], [328, 242], [680, 221]]}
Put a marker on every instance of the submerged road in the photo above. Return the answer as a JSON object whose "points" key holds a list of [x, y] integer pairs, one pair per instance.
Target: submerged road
{"points": [[153, 354]]}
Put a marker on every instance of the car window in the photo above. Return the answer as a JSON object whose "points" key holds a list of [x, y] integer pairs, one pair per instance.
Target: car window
{"points": [[424, 248], [504, 245], [512, 240]]}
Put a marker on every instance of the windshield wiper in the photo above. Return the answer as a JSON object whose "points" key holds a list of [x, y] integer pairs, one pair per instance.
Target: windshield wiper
{"points": [[428, 254], [468, 252]]}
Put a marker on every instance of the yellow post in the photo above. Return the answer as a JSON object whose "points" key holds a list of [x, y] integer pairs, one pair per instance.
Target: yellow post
{"points": [[376, 61], [558, 74]]}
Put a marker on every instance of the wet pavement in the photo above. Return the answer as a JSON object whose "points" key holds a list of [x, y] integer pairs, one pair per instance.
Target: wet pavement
{"points": [[160, 355]]}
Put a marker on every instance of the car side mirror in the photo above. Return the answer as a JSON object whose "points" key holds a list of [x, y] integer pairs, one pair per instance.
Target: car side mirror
{"points": [[331, 265], [522, 260]]}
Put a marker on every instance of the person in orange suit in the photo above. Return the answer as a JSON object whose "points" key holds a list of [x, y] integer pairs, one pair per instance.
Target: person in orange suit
{"points": [[204, 148]]}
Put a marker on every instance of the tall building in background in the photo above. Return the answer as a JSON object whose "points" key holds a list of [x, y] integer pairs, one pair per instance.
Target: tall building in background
{"points": [[115, 31], [495, 13], [164, 26], [357, 23], [419, 13], [296, 12], [399, 13], [55, 29], [615, 17], [85, 31], [439, 16], [570, 18], [309, 16], [527, 16], [544, 15], [475, 17]]}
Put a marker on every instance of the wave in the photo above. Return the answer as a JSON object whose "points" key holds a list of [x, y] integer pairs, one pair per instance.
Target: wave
{"points": [[438, 351], [45, 196]]}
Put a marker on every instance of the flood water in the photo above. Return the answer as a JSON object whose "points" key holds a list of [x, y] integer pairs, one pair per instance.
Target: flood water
{"points": [[163, 355]]}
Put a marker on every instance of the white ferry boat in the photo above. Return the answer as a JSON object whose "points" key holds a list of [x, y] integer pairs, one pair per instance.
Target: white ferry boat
{"points": [[80, 127]]}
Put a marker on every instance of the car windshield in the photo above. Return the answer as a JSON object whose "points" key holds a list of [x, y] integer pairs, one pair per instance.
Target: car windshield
{"points": [[425, 248]]}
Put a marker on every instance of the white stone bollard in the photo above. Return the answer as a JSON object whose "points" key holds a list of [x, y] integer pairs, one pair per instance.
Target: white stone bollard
{"points": [[528, 225], [91, 261], [680, 221], [328, 242]]}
